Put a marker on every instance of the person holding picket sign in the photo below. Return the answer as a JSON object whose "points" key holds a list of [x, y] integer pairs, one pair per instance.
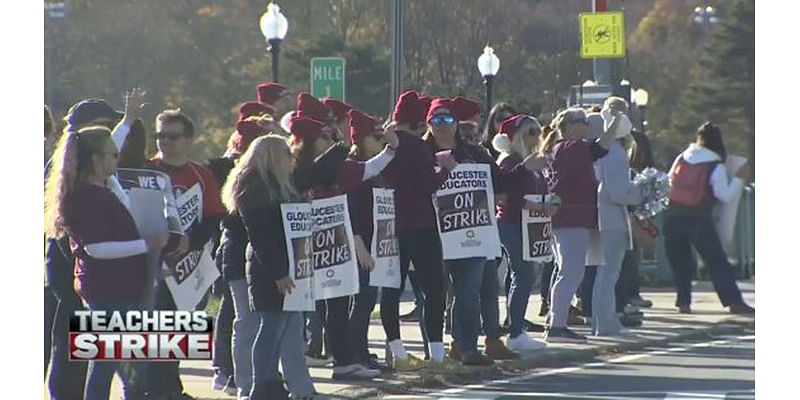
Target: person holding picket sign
{"points": [[325, 173], [255, 190], [414, 176], [110, 269], [519, 137], [573, 180], [698, 180], [372, 212], [460, 214]]}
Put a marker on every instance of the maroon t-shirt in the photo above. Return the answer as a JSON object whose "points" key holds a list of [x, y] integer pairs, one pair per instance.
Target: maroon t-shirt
{"points": [[92, 214], [575, 183], [526, 182]]}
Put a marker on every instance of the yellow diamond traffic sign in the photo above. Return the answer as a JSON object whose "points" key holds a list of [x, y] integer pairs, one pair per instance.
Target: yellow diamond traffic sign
{"points": [[602, 34]]}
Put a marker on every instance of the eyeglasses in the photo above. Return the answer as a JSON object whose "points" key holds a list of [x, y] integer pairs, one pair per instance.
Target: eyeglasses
{"points": [[169, 135], [442, 120], [114, 154]]}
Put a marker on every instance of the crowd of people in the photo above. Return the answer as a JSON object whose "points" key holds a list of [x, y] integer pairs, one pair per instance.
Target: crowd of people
{"points": [[575, 172]]}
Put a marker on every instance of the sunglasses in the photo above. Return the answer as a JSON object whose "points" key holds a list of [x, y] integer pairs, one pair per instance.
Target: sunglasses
{"points": [[169, 135], [442, 120]]}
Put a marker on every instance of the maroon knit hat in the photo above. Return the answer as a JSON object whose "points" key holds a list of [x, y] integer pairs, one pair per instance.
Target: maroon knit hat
{"points": [[255, 109], [465, 109], [338, 108], [271, 92], [407, 108], [309, 106], [305, 128], [511, 125], [246, 132], [437, 103], [362, 125]]}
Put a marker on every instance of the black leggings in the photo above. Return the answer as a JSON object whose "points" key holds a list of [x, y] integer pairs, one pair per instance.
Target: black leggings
{"points": [[337, 321], [423, 247]]}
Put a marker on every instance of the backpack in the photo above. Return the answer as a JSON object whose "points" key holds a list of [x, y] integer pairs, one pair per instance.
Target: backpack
{"points": [[690, 183]]}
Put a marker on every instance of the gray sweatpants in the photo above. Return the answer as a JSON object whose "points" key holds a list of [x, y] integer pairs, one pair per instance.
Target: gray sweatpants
{"points": [[570, 248], [604, 315]]}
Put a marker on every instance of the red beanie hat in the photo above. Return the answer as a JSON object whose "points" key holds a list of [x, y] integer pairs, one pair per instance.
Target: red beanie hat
{"points": [[305, 128], [271, 92], [440, 102], [362, 125], [309, 106], [407, 108], [466, 109], [338, 108], [255, 109], [246, 132]]}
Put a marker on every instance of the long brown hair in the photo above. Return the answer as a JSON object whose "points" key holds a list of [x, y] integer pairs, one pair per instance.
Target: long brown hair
{"points": [[72, 162]]}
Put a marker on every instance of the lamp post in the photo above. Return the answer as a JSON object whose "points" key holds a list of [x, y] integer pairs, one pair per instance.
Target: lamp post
{"points": [[274, 27], [641, 97], [705, 16], [488, 65]]}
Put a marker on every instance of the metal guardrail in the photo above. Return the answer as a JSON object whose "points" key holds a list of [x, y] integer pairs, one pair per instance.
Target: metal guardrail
{"points": [[741, 251]]}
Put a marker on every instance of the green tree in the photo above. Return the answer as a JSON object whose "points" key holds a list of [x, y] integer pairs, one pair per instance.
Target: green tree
{"points": [[722, 84]]}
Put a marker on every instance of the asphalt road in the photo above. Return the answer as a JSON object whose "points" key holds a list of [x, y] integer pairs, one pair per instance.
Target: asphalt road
{"points": [[717, 368]]}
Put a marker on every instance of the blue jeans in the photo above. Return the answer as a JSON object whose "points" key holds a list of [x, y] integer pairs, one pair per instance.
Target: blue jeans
{"points": [[223, 331], [245, 328], [472, 281], [100, 373], [279, 338], [604, 311], [523, 276]]}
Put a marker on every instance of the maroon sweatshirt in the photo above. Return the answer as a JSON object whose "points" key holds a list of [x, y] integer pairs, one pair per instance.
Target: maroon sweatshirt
{"points": [[92, 214], [412, 174], [521, 184], [575, 183]]}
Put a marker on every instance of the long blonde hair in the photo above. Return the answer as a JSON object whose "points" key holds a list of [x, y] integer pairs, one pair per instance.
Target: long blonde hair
{"points": [[261, 159], [71, 164]]}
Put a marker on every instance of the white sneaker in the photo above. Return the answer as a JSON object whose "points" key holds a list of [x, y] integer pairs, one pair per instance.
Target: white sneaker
{"points": [[523, 342]]}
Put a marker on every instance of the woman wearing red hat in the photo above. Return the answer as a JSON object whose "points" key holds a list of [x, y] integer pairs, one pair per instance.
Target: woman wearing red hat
{"points": [[368, 140], [414, 176], [275, 95], [340, 110], [324, 170], [519, 137], [473, 278]]}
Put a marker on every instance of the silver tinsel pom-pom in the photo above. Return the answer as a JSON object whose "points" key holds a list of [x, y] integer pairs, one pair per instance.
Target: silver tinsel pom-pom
{"points": [[655, 192]]}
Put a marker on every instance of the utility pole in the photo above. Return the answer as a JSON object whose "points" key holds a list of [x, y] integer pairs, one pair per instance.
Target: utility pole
{"points": [[396, 68], [601, 66]]}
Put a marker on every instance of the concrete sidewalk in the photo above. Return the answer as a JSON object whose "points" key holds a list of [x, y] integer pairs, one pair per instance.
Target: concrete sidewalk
{"points": [[662, 324]]}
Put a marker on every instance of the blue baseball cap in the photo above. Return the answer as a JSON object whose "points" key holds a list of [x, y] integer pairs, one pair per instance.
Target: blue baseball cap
{"points": [[90, 110]]}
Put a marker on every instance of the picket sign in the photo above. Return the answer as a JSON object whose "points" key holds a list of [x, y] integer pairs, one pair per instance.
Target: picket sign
{"points": [[195, 272], [385, 248], [465, 210], [298, 228], [333, 249], [537, 231]]}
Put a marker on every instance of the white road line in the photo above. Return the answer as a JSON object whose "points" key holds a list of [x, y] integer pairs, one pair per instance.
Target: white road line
{"points": [[567, 370]]}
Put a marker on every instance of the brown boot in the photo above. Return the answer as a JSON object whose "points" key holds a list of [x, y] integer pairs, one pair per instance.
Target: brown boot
{"points": [[497, 350], [453, 353]]}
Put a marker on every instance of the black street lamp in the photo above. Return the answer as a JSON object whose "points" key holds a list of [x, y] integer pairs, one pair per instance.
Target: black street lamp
{"points": [[274, 27], [488, 65]]}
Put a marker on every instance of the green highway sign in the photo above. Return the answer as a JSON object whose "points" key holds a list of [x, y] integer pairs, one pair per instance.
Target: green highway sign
{"points": [[327, 77]]}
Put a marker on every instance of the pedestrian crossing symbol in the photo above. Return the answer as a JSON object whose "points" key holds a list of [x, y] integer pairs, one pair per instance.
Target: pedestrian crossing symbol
{"points": [[602, 34]]}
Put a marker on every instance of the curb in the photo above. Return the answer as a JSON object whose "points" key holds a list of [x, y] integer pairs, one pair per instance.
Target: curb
{"points": [[553, 358]]}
